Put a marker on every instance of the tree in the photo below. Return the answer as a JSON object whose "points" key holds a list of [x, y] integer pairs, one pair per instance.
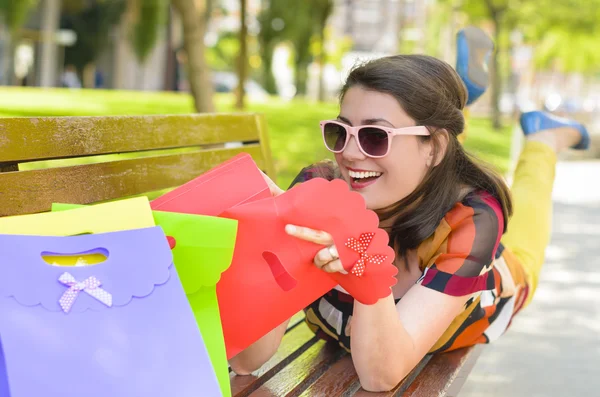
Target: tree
{"points": [[322, 10], [193, 16], [225, 53], [92, 23], [301, 33], [242, 61], [301, 23], [14, 14], [150, 19], [275, 19], [581, 55]]}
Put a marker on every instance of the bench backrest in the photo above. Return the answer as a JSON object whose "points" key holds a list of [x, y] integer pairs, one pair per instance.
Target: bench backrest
{"points": [[84, 160]]}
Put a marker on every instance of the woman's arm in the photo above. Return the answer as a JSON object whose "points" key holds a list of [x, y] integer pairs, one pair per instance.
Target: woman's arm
{"points": [[259, 352], [388, 340]]}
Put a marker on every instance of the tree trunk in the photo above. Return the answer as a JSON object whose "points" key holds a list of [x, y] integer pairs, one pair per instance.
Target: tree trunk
{"points": [[48, 57], [170, 78], [240, 92], [89, 76], [301, 77], [193, 16], [268, 78], [8, 59], [301, 62], [322, 62]]}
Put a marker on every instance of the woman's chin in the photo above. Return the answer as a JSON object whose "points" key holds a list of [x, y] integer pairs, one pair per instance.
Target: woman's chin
{"points": [[371, 204], [367, 195]]}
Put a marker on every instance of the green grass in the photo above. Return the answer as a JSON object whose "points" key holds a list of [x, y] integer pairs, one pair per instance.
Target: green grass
{"points": [[293, 126]]}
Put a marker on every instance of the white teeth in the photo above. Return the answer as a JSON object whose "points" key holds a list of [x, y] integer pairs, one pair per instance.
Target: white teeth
{"points": [[360, 175]]}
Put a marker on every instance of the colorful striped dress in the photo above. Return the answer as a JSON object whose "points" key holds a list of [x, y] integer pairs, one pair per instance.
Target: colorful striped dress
{"points": [[464, 256]]}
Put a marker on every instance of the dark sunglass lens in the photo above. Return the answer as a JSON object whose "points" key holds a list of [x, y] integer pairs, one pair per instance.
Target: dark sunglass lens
{"points": [[374, 141], [335, 136]]}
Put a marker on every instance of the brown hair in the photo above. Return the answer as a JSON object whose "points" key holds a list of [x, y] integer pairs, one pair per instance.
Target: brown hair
{"points": [[431, 93]]}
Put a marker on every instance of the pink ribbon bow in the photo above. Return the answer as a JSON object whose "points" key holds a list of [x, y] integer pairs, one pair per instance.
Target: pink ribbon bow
{"points": [[360, 246], [91, 286]]}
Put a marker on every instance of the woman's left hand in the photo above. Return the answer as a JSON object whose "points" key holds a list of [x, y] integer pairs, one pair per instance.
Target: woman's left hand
{"points": [[326, 259]]}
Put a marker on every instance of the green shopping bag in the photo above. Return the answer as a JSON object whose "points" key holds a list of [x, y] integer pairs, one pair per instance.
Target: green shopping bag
{"points": [[202, 249]]}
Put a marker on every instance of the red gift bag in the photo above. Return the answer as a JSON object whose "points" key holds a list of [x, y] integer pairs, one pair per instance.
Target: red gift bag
{"points": [[232, 183], [272, 275]]}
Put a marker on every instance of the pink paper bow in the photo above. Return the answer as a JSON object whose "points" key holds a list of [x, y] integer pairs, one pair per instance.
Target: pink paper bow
{"points": [[360, 246], [91, 286]]}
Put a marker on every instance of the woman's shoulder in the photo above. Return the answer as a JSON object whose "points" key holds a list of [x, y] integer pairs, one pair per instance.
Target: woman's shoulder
{"points": [[474, 222], [458, 257], [483, 209]]}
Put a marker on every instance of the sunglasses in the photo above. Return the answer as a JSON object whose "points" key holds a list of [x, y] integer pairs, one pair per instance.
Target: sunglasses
{"points": [[373, 140]]}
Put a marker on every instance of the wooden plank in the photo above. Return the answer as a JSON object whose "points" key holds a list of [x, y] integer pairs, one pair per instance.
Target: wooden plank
{"points": [[442, 371], [26, 139], [339, 380], [294, 343], [296, 320], [266, 146], [402, 386], [33, 191], [300, 373], [465, 371]]}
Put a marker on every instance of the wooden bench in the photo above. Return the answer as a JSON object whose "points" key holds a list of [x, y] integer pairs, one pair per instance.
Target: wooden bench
{"points": [[155, 153], [86, 160], [310, 367]]}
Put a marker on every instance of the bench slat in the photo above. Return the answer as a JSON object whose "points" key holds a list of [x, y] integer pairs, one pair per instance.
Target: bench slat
{"points": [[301, 372], [33, 191], [339, 380], [342, 380], [296, 320], [28, 139], [294, 343], [402, 386], [445, 373]]}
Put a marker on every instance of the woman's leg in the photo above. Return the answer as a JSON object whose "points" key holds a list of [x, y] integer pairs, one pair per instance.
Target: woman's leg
{"points": [[529, 228]]}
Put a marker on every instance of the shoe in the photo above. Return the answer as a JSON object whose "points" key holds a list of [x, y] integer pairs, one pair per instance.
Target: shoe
{"points": [[474, 48], [532, 122]]}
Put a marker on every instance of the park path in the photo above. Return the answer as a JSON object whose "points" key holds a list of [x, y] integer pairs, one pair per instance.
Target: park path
{"points": [[553, 346]]}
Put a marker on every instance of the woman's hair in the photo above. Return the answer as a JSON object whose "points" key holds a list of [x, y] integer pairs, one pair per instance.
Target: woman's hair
{"points": [[432, 94]]}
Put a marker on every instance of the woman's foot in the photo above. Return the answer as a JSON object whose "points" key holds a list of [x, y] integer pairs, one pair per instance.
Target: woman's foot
{"points": [[558, 133], [473, 50]]}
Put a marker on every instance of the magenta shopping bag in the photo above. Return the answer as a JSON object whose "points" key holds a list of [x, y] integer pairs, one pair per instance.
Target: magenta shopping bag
{"points": [[120, 328]]}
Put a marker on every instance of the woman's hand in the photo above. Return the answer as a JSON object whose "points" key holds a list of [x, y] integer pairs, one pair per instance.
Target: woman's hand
{"points": [[275, 190], [326, 259]]}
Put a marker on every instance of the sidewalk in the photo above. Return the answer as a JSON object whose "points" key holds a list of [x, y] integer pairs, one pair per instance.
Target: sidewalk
{"points": [[553, 346]]}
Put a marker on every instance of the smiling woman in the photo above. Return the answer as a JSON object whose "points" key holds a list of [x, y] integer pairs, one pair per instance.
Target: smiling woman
{"points": [[395, 142]]}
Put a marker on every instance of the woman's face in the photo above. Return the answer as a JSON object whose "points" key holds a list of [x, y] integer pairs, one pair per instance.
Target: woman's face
{"points": [[397, 174]]}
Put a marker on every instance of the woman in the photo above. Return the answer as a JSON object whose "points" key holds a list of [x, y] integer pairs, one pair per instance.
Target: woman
{"points": [[445, 213]]}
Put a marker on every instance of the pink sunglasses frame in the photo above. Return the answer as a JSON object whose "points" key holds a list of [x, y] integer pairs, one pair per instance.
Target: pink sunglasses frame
{"points": [[419, 130]]}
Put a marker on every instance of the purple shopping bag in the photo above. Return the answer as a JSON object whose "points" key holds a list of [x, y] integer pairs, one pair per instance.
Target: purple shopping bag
{"points": [[119, 328]]}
